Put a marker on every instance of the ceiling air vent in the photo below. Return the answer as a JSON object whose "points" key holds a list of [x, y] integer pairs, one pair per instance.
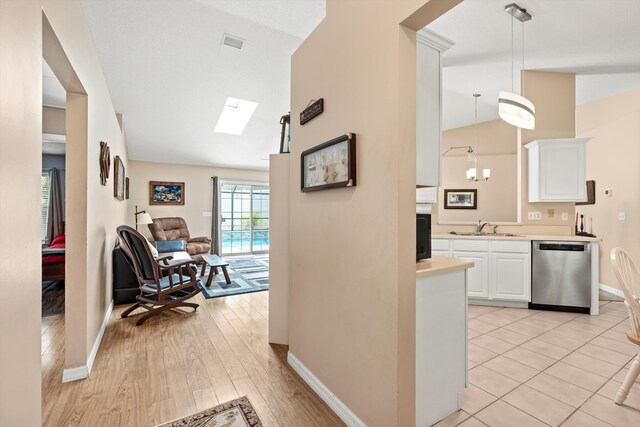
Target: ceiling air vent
{"points": [[232, 41]]}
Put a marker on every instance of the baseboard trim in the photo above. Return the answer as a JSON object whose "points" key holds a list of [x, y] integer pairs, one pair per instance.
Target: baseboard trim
{"points": [[75, 374], [615, 291], [82, 372], [325, 394]]}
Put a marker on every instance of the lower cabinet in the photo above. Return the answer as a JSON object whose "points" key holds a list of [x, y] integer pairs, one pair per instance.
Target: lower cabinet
{"points": [[478, 276], [510, 276], [502, 269]]}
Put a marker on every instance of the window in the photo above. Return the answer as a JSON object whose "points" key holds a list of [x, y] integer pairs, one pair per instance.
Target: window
{"points": [[44, 214], [245, 218]]}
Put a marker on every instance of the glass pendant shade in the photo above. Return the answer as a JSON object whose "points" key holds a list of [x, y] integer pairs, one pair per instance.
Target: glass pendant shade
{"points": [[516, 110]]}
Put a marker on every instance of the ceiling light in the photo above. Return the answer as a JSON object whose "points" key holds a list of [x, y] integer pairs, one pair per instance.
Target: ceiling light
{"points": [[234, 116], [513, 108]]}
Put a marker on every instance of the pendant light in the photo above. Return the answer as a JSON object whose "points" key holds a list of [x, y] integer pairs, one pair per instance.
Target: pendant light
{"points": [[513, 108], [472, 173]]}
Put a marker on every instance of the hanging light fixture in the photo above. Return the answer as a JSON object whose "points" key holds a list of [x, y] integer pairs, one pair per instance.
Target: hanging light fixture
{"points": [[471, 153], [513, 108], [472, 173]]}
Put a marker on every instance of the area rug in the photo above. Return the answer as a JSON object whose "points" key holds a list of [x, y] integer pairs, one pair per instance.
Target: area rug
{"points": [[52, 297], [247, 273], [236, 413]]}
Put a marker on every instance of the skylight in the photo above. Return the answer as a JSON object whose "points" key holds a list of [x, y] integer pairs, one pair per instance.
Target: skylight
{"points": [[235, 115]]}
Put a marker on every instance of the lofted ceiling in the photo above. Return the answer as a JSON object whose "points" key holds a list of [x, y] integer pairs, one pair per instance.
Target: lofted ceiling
{"points": [[169, 74], [596, 39]]}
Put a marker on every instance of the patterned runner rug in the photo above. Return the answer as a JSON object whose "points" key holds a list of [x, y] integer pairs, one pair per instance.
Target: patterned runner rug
{"points": [[236, 413], [248, 274]]}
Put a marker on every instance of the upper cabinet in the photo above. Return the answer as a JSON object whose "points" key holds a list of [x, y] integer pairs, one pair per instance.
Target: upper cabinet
{"points": [[429, 49], [557, 170]]}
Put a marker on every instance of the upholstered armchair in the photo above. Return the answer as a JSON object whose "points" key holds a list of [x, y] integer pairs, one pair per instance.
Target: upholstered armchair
{"points": [[175, 228]]}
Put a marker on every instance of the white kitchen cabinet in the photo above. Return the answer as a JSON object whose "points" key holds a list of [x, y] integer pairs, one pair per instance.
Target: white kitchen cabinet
{"points": [[557, 170], [502, 270], [478, 276], [510, 276], [429, 49], [426, 194]]}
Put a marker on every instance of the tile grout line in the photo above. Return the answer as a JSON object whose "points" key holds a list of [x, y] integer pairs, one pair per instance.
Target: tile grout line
{"points": [[557, 361]]}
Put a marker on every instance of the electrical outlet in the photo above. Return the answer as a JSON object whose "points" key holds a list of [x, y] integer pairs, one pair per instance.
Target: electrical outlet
{"points": [[621, 216], [550, 213], [565, 216]]}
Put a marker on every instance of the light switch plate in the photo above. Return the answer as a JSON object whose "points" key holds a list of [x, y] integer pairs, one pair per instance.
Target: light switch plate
{"points": [[621, 216], [608, 192], [535, 216], [565, 216], [206, 214]]}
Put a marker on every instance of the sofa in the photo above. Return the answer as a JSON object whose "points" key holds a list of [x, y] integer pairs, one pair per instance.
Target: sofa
{"points": [[175, 228]]}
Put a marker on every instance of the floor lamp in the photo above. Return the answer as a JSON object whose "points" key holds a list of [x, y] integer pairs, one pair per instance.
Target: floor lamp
{"points": [[144, 218]]}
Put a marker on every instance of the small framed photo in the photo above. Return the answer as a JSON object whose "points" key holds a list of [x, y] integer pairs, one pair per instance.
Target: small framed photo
{"points": [[461, 199], [166, 193], [329, 165]]}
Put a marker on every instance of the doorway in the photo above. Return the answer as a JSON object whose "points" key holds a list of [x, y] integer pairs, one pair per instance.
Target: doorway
{"points": [[245, 218]]}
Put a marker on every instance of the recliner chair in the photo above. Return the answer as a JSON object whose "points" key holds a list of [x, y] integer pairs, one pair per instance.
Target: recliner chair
{"points": [[175, 228]]}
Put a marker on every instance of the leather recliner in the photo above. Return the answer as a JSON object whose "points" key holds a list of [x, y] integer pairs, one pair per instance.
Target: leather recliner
{"points": [[175, 228]]}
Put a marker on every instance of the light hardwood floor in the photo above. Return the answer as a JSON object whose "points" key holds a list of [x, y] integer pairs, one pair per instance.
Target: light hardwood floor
{"points": [[179, 363]]}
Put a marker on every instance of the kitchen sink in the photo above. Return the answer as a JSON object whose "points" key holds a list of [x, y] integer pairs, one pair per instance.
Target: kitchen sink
{"points": [[471, 233]]}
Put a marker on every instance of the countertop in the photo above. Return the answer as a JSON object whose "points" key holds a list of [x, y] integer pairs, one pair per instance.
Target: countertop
{"points": [[439, 265], [518, 237]]}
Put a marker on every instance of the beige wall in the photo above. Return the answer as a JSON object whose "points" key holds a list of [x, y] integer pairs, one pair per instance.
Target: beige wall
{"points": [[53, 120], [554, 96], [613, 123], [198, 191], [20, 151], [352, 308], [497, 150], [92, 212]]}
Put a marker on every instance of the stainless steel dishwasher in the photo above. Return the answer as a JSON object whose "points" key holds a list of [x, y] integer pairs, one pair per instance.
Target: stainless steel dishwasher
{"points": [[561, 276]]}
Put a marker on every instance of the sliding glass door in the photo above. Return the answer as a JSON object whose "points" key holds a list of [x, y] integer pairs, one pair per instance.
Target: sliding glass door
{"points": [[245, 218]]}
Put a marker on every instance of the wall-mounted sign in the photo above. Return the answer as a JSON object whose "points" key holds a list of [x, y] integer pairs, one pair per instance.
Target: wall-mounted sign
{"points": [[314, 109]]}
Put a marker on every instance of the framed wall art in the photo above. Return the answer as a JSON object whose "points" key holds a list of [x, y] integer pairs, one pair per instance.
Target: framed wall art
{"points": [[461, 199], [119, 179], [329, 165], [285, 133], [166, 193], [126, 189], [105, 162]]}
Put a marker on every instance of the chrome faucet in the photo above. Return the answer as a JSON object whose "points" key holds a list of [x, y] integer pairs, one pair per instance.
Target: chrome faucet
{"points": [[481, 226]]}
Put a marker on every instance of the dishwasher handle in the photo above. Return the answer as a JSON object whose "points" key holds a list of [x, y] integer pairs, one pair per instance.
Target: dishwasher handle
{"points": [[562, 246]]}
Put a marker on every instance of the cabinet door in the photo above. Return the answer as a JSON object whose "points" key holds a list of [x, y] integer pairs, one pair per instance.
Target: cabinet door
{"points": [[511, 276], [478, 276], [428, 133], [562, 172]]}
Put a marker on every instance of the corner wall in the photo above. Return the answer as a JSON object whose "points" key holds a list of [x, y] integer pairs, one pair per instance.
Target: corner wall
{"points": [[351, 250], [20, 151], [613, 123], [92, 212]]}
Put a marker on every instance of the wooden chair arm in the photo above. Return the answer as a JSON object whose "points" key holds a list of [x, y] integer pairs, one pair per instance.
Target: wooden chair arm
{"points": [[164, 259]]}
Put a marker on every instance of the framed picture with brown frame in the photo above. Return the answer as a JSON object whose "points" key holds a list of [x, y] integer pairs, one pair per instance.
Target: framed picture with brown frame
{"points": [[119, 181], [461, 199], [164, 193], [329, 165]]}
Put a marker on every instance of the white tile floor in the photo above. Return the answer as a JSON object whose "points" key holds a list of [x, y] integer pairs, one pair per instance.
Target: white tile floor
{"points": [[544, 368]]}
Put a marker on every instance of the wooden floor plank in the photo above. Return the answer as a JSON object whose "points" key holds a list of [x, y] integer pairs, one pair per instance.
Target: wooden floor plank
{"points": [[179, 363]]}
